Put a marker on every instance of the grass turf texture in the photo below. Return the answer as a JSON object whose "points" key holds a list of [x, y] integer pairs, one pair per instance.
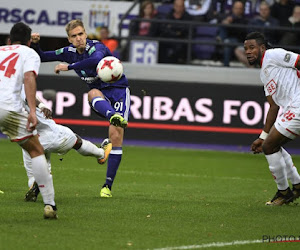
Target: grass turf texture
{"points": [[161, 198]]}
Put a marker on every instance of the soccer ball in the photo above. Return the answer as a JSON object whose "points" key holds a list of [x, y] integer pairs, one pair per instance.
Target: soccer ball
{"points": [[110, 69]]}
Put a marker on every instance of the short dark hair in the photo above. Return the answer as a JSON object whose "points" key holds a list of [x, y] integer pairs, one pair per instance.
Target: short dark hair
{"points": [[21, 33], [259, 38]]}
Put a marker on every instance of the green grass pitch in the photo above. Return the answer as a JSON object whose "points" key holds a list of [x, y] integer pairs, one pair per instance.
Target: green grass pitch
{"points": [[161, 198]]}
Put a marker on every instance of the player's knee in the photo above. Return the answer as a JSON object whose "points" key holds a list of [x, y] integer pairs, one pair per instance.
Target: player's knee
{"points": [[35, 152], [78, 143], [94, 93], [269, 148]]}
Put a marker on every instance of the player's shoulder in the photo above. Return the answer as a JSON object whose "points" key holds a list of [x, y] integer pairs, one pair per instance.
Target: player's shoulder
{"points": [[26, 51], [94, 45], [273, 54], [281, 55], [275, 51]]}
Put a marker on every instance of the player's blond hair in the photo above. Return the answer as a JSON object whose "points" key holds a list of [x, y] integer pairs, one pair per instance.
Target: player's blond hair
{"points": [[73, 24]]}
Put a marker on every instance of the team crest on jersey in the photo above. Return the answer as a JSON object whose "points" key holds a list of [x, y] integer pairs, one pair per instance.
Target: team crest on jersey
{"points": [[287, 57], [271, 87]]}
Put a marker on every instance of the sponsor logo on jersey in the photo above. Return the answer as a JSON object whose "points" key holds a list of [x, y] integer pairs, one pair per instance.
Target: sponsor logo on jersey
{"points": [[287, 57], [59, 51], [72, 49], [90, 79], [271, 87]]}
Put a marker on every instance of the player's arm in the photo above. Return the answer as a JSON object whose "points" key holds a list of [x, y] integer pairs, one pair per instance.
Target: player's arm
{"points": [[256, 146], [97, 52], [47, 56], [90, 62], [47, 112], [30, 92]]}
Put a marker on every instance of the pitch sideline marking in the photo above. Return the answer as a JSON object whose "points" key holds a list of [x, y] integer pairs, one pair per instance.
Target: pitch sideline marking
{"points": [[213, 244]]}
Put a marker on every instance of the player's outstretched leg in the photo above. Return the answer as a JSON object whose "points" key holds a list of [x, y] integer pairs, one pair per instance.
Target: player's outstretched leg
{"points": [[106, 145], [103, 108], [100, 105], [87, 148]]}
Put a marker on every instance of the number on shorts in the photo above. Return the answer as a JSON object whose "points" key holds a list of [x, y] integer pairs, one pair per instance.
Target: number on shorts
{"points": [[118, 106], [289, 115], [10, 68]]}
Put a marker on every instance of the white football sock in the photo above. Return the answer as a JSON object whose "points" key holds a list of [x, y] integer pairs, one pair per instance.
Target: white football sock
{"points": [[89, 149], [43, 179], [291, 170], [28, 166], [30, 181], [277, 167]]}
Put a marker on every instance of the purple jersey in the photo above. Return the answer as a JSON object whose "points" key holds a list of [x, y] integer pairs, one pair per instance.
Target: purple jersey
{"points": [[83, 64]]}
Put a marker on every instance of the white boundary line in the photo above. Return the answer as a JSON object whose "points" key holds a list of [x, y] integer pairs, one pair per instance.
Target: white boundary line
{"points": [[214, 244]]}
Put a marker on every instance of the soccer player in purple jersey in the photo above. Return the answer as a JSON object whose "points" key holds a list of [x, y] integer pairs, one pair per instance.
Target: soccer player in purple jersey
{"points": [[109, 100]]}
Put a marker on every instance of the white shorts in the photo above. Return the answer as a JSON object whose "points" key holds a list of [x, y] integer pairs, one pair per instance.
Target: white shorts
{"points": [[61, 140], [288, 124], [13, 124]]}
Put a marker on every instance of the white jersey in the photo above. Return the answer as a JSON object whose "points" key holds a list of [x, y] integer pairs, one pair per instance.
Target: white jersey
{"points": [[15, 60], [280, 77]]}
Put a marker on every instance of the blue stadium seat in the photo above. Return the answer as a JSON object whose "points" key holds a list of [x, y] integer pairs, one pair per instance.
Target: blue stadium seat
{"points": [[205, 51], [164, 9]]}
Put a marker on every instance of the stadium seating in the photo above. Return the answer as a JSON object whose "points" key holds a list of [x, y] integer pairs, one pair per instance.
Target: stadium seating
{"points": [[205, 51], [164, 9]]}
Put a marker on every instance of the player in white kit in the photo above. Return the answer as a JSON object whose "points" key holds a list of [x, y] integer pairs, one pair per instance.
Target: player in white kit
{"points": [[59, 139], [280, 76], [19, 65]]}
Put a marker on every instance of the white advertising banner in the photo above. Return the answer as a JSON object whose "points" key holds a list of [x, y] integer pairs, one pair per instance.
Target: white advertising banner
{"points": [[50, 17]]}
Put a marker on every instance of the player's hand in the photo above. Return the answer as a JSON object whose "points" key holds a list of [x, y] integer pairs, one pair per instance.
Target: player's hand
{"points": [[61, 67], [31, 122], [47, 112], [35, 37], [256, 146]]}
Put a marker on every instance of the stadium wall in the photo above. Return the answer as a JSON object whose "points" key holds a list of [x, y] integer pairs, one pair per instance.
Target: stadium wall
{"points": [[170, 104]]}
